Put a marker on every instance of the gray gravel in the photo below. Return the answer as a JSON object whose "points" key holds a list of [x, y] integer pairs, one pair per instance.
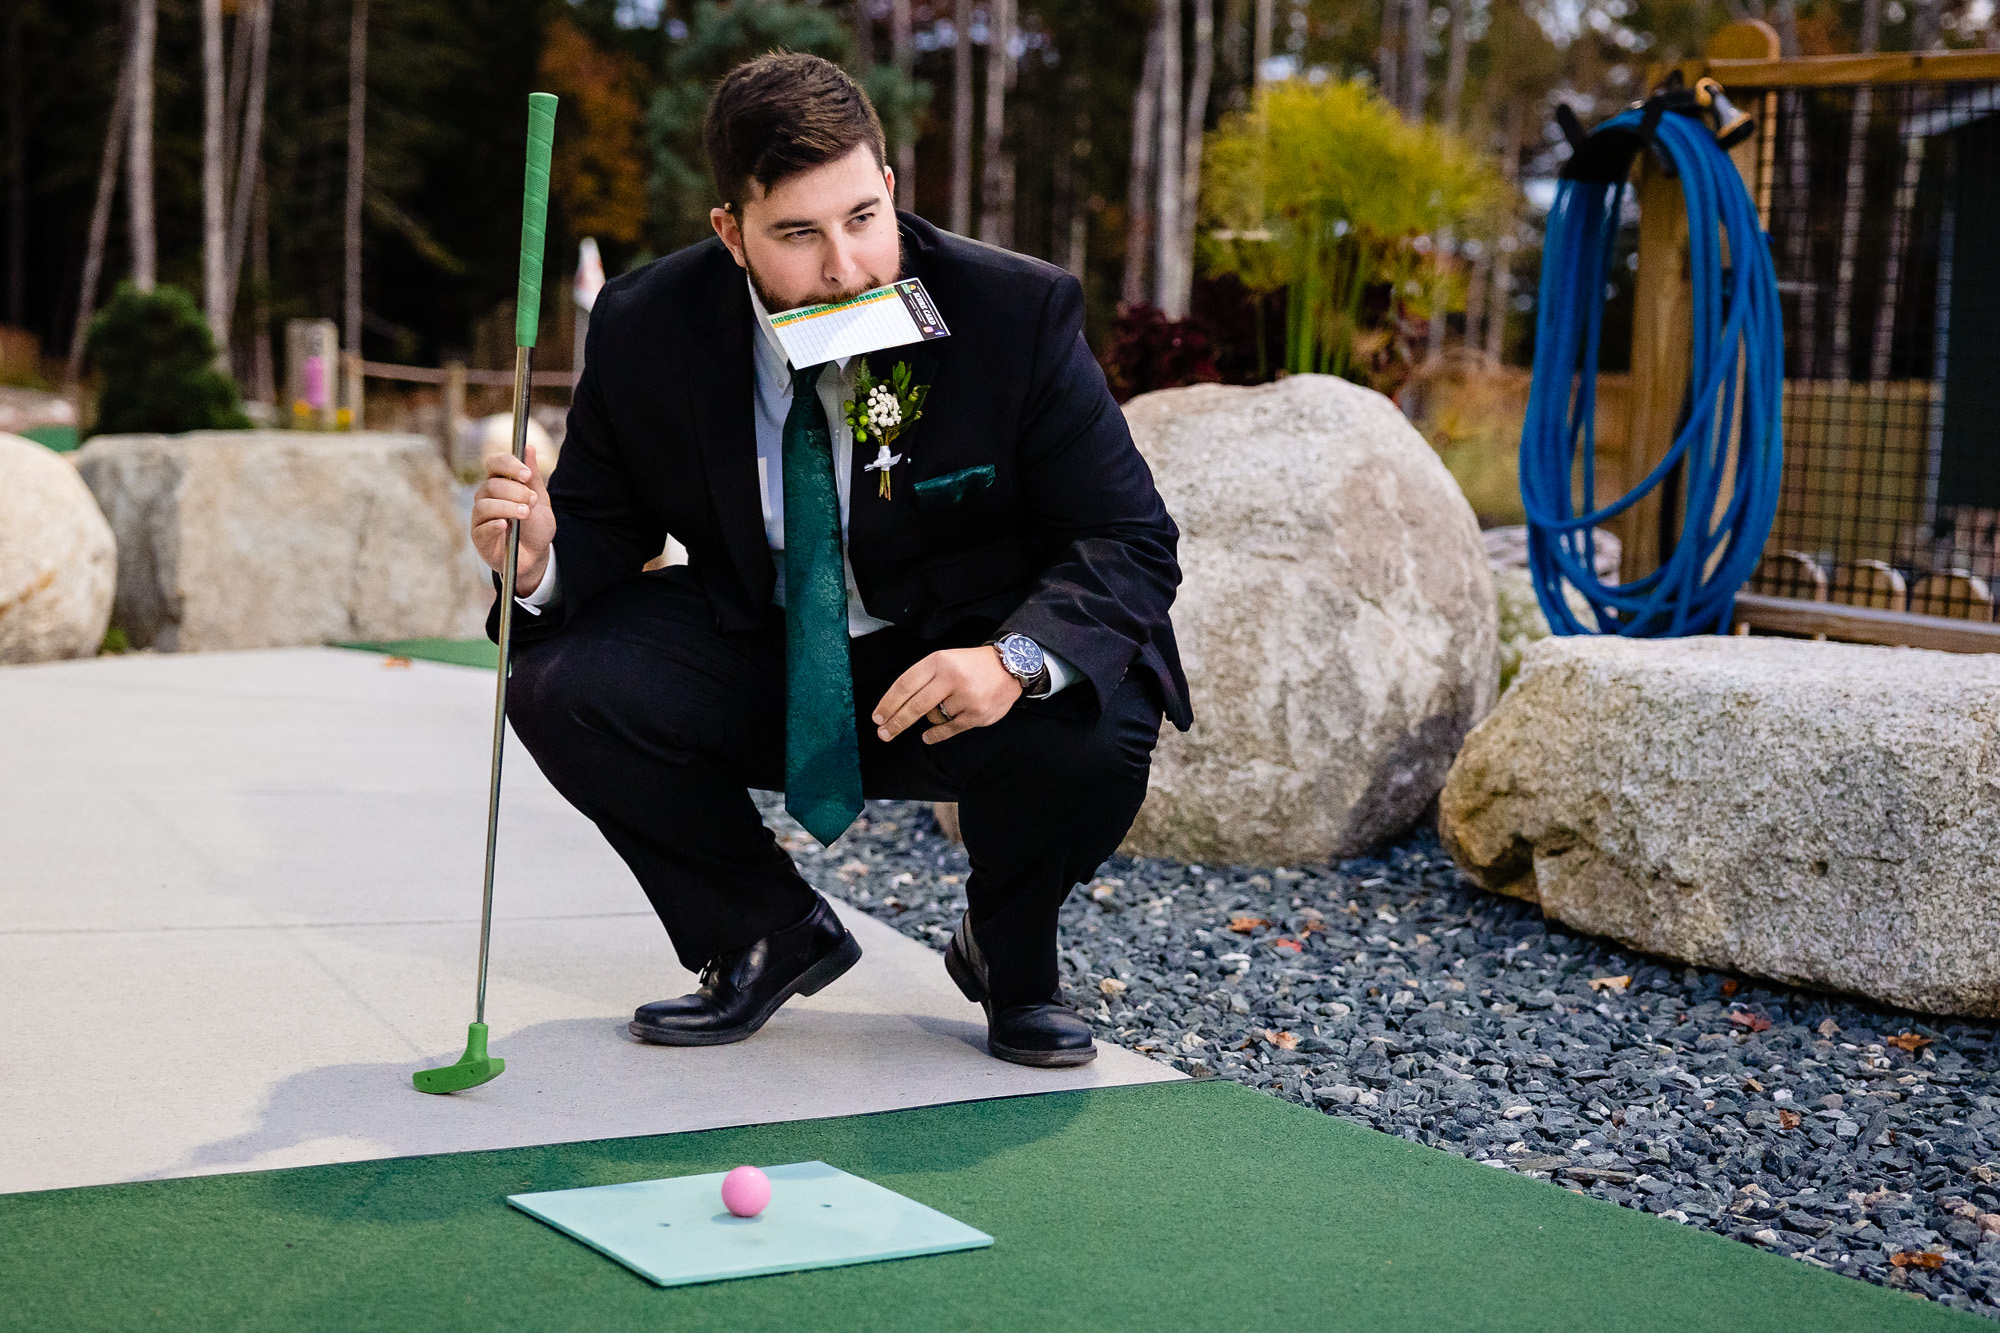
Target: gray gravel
{"points": [[1391, 992]]}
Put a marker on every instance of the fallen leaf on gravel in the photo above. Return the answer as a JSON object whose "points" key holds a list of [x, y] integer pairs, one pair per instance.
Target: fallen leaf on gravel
{"points": [[1917, 1259], [1907, 1041], [1243, 925], [1754, 1022], [1788, 1119], [1752, 1085], [1111, 986], [1284, 1041], [1609, 983], [1730, 985], [1828, 1028], [1293, 945]]}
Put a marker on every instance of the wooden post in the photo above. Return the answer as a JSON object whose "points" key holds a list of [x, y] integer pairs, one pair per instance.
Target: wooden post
{"points": [[1662, 343], [1663, 320]]}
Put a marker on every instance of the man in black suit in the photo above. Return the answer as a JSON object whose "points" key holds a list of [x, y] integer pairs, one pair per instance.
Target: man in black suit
{"points": [[1007, 587]]}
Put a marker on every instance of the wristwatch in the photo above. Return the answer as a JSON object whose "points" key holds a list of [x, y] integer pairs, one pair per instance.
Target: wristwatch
{"points": [[1024, 661]]}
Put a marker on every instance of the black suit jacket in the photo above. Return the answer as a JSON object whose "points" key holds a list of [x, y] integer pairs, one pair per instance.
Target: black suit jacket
{"points": [[1044, 519]]}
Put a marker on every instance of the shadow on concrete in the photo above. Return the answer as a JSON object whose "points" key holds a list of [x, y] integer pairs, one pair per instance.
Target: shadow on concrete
{"points": [[577, 1080]]}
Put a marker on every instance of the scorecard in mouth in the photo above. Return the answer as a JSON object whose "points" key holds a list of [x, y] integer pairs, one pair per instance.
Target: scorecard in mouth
{"points": [[889, 316]]}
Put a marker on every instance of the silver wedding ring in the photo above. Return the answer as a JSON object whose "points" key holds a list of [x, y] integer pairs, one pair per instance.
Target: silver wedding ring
{"points": [[941, 717]]}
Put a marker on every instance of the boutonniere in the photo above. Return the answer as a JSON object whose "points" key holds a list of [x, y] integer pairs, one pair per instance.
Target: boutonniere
{"points": [[882, 410]]}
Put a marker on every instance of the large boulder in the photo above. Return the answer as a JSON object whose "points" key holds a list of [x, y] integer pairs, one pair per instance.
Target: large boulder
{"points": [[257, 539], [1818, 813], [58, 561], [1336, 618]]}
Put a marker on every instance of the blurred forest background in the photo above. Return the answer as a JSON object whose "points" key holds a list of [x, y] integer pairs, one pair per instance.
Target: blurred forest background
{"points": [[1243, 186]]}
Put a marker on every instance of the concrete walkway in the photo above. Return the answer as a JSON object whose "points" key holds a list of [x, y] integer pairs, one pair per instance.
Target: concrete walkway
{"points": [[239, 904]]}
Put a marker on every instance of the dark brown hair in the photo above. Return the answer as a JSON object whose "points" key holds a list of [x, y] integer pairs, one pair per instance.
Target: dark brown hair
{"points": [[781, 114]]}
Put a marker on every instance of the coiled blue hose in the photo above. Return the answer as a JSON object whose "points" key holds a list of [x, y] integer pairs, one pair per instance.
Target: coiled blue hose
{"points": [[1737, 327]]}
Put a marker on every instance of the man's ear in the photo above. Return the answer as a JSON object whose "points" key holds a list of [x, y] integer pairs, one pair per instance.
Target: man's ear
{"points": [[727, 227], [889, 184]]}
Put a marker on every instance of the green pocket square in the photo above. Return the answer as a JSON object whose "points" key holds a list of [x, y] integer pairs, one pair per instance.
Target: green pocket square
{"points": [[935, 492]]}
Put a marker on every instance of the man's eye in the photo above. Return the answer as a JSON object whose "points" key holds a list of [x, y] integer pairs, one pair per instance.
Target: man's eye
{"points": [[861, 220], [799, 235]]}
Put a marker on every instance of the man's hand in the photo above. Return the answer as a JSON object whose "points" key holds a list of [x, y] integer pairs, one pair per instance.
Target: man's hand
{"points": [[970, 682], [513, 490]]}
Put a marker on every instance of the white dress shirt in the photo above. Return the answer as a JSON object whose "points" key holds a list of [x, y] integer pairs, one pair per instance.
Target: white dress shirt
{"points": [[772, 401]]}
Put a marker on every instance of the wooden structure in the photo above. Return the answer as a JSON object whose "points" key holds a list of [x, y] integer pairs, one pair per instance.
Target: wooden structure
{"points": [[1866, 548]]}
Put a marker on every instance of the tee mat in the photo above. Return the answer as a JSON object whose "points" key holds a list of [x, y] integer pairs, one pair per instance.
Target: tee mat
{"points": [[675, 1232], [890, 316]]}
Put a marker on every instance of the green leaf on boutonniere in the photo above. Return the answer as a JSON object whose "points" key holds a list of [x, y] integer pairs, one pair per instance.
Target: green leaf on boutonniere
{"points": [[880, 412]]}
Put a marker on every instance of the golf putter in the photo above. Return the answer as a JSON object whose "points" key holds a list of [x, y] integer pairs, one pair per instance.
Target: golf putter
{"points": [[476, 1066]]}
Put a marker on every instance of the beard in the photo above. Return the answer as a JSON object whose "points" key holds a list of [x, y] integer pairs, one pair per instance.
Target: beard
{"points": [[774, 305]]}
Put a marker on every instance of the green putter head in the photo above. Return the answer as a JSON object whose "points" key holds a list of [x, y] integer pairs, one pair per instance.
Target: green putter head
{"points": [[473, 1068]]}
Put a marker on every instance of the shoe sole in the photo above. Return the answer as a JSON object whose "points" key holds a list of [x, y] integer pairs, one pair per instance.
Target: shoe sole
{"points": [[809, 982], [962, 975]]}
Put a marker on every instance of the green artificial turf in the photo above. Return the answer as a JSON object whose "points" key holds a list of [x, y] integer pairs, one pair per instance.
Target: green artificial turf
{"points": [[456, 652], [62, 439], [1168, 1206]]}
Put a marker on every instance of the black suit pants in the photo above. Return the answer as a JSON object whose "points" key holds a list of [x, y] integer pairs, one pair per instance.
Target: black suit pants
{"points": [[657, 725]]}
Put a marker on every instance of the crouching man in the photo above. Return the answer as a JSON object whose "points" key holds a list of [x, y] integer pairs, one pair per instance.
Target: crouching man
{"points": [[979, 616]]}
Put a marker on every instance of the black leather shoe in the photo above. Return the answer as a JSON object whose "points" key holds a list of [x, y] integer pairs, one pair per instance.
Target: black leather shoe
{"points": [[742, 989], [1048, 1036]]}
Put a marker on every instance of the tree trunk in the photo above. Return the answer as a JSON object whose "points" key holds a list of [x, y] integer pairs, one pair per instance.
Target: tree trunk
{"points": [[1503, 260], [996, 185], [1167, 192], [1926, 26], [1475, 298], [1195, 117], [250, 143], [901, 57], [1785, 18], [961, 118], [1260, 42], [139, 147], [1454, 69], [864, 36], [17, 185], [357, 109], [1389, 54], [1235, 51], [239, 65], [1852, 199], [1139, 180], [214, 208], [263, 367], [100, 217], [1415, 82]]}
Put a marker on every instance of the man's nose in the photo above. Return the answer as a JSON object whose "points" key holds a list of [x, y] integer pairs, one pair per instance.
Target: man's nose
{"points": [[841, 269]]}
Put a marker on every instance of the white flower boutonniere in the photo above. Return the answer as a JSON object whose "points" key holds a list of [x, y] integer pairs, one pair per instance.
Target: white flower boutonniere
{"points": [[880, 411]]}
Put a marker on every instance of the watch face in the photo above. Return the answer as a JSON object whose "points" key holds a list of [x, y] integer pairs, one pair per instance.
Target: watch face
{"points": [[1022, 655]]}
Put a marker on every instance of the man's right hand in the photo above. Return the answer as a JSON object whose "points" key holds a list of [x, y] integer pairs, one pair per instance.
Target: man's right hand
{"points": [[513, 490]]}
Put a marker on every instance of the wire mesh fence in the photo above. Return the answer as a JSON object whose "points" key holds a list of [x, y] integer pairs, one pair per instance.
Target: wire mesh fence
{"points": [[1884, 214]]}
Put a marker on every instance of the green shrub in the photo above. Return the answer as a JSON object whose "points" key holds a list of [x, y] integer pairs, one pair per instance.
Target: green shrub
{"points": [[1327, 192], [157, 360]]}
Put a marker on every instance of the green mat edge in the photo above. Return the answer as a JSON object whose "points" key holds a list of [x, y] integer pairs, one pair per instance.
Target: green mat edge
{"points": [[1775, 1292], [452, 652]]}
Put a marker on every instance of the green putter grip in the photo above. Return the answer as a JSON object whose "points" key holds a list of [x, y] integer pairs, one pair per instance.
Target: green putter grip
{"points": [[534, 216]]}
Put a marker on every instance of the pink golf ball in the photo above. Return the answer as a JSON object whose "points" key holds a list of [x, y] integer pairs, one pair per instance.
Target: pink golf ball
{"points": [[745, 1191]]}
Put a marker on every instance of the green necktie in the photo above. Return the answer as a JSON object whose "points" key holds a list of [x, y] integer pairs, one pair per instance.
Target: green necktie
{"points": [[822, 754]]}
